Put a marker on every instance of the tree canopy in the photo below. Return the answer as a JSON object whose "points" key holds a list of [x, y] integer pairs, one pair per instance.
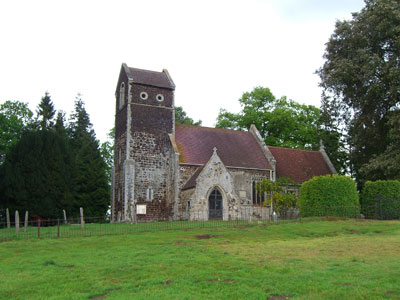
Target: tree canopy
{"points": [[181, 117], [361, 75], [107, 152], [53, 166], [15, 119], [281, 122]]}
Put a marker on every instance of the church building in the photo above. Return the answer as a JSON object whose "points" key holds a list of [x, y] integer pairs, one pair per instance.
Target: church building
{"points": [[168, 171]]}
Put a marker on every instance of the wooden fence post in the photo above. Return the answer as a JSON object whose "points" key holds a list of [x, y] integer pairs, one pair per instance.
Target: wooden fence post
{"points": [[16, 221], [8, 218], [82, 220], [26, 221], [65, 216], [58, 228]]}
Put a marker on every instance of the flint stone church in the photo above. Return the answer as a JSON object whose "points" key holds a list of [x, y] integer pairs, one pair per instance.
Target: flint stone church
{"points": [[168, 171]]}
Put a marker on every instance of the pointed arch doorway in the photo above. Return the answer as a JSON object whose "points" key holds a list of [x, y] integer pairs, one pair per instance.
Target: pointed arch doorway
{"points": [[215, 205]]}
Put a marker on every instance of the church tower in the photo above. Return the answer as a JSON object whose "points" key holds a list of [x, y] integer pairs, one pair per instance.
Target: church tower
{"points": [[145, 164]]}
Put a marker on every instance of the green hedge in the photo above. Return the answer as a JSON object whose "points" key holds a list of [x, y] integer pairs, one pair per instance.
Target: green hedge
{"points": [[329, 195], [381, 199]]}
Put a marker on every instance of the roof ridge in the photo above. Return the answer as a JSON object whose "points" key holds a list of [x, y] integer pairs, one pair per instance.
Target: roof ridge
{"points": [[140, 69], [207, 127], [294, 149]]}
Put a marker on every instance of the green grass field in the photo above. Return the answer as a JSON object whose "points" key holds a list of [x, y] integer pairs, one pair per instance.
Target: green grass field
{"points": [[312, 260]]}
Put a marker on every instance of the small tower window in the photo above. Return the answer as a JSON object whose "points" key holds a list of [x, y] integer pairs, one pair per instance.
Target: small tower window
{"points": [[149, 194], [160, 98], [144, 95], [122, 95]]}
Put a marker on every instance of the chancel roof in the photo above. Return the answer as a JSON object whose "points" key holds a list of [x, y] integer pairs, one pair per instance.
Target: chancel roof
{"points": [[235, 148], [299, 165]]}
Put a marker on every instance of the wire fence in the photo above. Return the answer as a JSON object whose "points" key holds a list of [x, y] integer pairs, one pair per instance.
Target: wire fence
{"points": [[101, 226]]}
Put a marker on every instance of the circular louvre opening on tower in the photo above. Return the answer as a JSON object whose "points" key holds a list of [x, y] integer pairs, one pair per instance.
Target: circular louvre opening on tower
{"points": [[144, 96], [160, 97]]}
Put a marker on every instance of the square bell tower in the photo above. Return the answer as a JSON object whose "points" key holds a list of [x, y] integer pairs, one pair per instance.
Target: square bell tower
{"points": [[144, 160]]}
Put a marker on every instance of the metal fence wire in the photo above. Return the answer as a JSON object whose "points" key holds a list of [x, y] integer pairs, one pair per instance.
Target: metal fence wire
{"points": [[101, 226]]}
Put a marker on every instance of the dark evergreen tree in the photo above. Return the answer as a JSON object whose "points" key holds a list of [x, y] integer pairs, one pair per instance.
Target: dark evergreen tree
{"points": [[387, 164], [36, 175], [53, 168], [90, 183], [45, 112], [181, 117]]}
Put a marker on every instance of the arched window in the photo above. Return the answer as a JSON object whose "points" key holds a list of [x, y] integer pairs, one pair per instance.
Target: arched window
{"points": [[215, 205], [122, 95]]}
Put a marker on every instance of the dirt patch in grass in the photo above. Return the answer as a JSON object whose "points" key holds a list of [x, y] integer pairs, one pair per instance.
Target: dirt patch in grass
{"points": [[343, 283], [204, 236], [352, 231], [104, 296], [99, 297], [279, 297], [168, 282], [241, 227], [69, 266], [181, 243], [388, 293]]}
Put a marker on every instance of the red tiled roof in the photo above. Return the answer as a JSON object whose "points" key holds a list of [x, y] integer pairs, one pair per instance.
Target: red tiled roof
{"points": [[299, 165], [152, 78], [191, 183], [235, 148]]}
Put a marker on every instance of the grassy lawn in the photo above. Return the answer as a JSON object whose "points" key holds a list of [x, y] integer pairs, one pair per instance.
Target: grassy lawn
{"points": [[313, 260]]}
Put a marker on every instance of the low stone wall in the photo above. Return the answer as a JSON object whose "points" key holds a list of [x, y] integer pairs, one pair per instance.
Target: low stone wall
{"points": [[244, 212], [250, 212]]}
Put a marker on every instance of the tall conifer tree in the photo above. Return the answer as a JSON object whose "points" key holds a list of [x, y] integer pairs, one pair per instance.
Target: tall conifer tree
{"points": [[91, 190], [45, 112], [36, 175]]}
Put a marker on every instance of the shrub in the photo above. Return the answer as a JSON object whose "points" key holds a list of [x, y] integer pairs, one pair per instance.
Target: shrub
{"points": [[329, 195], [381, 199], [281, 199]]}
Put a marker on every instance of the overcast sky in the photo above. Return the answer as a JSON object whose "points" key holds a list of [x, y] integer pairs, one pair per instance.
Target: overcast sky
{"points": [[214, 50]]}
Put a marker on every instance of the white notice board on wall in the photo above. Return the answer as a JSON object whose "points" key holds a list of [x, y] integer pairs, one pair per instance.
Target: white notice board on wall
{"points": [[140, 209]]}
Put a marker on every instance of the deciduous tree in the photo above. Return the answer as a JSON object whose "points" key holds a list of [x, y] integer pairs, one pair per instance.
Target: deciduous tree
{"points": [[281, 122], [107, 152], [15, 119], [362, 73]]}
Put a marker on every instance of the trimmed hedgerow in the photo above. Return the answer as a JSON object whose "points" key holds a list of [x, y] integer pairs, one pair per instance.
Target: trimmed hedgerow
{"points": [[381, 199], [329, 195]]}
